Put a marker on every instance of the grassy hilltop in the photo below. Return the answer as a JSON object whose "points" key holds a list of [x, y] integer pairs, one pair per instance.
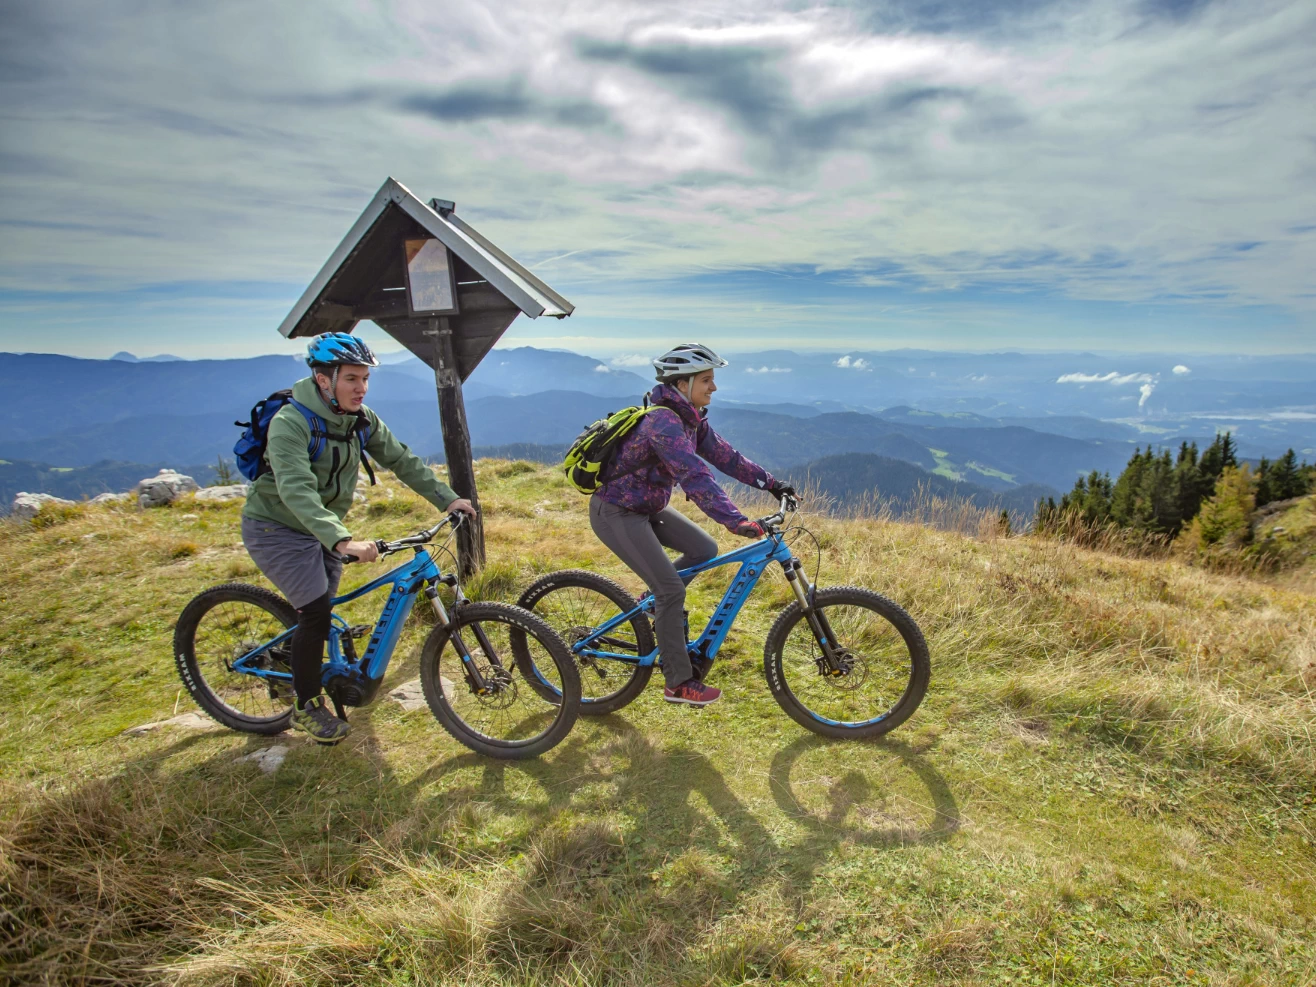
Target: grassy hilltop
{"points": [[1110, 782]]}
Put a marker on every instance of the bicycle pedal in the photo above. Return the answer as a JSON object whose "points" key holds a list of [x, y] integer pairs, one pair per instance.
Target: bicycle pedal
{"points": [[358, 630]]}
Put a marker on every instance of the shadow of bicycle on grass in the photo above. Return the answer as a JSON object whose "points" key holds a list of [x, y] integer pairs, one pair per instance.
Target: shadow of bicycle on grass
{"points": [[610, 846]]}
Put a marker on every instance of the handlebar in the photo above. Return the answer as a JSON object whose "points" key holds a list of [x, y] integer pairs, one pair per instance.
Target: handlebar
{"points": [[789, 505], [456, 519]]}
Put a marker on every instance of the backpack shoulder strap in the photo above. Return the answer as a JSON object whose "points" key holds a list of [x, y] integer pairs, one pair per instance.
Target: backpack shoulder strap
{"points": [[363, 430], [635, 420], [319, 429]]}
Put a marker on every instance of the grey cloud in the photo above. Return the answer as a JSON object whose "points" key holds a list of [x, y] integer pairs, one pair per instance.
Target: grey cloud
{"points": [[951, 16], [751, 83], [1176, 10], [503, 100], [745, 80]]}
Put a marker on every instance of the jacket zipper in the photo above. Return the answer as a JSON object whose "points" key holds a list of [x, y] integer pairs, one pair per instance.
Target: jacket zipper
{"points": [[334, 471]]}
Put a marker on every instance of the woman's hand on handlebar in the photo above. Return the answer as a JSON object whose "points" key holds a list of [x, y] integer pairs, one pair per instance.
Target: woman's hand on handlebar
{"points": [[748, 529], [357, 551]]}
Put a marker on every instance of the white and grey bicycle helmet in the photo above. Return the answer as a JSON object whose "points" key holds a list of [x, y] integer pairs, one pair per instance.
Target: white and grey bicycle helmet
{"points": [[687, 359]]}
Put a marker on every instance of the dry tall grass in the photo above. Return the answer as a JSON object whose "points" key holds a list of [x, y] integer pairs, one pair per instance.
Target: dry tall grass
{"points": [[1110, 782]]}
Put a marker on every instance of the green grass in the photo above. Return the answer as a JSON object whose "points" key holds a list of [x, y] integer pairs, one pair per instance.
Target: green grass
{"points": [[944, 465], [1110, 782], [989, 471]]}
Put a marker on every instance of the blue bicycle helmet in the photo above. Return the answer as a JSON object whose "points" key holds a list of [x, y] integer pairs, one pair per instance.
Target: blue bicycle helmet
{"points": [[337, 349]]}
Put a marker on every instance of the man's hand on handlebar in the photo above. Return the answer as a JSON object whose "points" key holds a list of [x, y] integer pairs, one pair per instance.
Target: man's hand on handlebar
{"points": [[357, 551], [462, 506]]}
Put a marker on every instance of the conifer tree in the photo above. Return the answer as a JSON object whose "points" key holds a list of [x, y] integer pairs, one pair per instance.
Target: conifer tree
{"points": [[1265, 489], [1192, 485], [1285, 479], [1090, 498]]}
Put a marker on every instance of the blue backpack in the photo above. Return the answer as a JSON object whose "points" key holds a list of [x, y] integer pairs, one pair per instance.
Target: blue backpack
{"points": [[249, 450]]}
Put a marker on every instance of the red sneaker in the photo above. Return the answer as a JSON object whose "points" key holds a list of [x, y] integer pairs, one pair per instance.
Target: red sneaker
{"points": [[693, 693]]}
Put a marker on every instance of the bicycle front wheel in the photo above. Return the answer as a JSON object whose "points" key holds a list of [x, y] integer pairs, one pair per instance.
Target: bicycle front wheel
{"points": [[217, 628], [883, 658], [475, 689]]}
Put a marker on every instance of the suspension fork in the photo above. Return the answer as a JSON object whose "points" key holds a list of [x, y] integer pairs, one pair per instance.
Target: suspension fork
{"points": [[473, 676], [817, 619]]}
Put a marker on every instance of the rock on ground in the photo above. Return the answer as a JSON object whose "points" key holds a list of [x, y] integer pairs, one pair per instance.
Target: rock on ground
{"points": [[267, 759], [110, 498], [409, 695], [234, 491], [184, 721], [164, 488], [26, 505]]}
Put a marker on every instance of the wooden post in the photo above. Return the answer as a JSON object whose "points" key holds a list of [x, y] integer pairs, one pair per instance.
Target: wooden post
{"points": [[456, 443]]}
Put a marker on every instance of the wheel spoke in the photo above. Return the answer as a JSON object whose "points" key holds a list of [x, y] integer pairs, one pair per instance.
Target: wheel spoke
{"points": [[876, 666], [574, 604], [217, 629], [508, 713]]}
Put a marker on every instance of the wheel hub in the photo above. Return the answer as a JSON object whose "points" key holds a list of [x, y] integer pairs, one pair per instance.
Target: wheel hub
{"points": [[850, 673], [500, 688]]}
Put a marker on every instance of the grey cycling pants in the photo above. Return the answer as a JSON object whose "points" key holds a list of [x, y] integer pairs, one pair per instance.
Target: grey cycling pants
{"points": [[639, 540]]}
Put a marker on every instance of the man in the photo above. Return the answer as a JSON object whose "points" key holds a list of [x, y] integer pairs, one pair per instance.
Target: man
{"points": [[630, 513], [293, 526]]}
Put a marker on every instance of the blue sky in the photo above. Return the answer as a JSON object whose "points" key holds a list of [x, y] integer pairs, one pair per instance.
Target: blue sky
{"points": [[1122, 175]]}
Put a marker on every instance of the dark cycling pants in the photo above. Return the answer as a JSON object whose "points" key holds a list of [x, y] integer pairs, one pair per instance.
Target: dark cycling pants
{"points": [[639, 540], [307, 574]]}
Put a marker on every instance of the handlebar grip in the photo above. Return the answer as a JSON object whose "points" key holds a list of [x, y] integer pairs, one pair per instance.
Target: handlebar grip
{"points": [[349, 559]]}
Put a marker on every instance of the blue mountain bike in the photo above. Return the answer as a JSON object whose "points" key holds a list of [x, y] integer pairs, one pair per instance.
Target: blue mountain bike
{"points": [[232, 645], [843, 661]]}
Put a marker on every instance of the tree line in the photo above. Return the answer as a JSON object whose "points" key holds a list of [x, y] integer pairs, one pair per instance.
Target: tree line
{"points": [[1161, 493]]}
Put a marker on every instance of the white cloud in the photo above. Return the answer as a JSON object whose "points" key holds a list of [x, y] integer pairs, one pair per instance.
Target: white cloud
{"points": [[767, 370], [1147, 382], [1080, 149], [601, 369], [631, 360], [1113, 377], [1181, 369], [852, 363]]}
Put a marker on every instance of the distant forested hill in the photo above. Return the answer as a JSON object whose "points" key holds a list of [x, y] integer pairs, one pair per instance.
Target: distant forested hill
{"points": [[852, 476]]}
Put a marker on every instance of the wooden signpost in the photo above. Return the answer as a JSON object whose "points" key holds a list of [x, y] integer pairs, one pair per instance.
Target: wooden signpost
{"points": [[439, 288]]}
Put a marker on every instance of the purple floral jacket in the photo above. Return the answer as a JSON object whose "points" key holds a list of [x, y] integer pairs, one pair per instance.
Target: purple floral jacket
{"points": [[666, 448]]}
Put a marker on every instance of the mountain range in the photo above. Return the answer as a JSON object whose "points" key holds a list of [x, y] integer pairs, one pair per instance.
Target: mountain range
{"points": [[781, 409]]}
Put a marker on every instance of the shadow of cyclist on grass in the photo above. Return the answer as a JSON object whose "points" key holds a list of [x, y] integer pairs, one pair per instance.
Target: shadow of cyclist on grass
{"points": [[115, 874]]}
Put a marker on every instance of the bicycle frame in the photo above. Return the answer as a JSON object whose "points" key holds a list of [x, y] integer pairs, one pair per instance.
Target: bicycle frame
{"points": [[407, 580], [753, 559]]}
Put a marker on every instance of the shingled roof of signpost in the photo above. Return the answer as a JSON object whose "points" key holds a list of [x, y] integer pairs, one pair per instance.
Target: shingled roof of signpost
{"points": [[365, 279]]}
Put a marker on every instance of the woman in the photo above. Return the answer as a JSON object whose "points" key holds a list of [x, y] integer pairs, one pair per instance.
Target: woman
{"points": [[630, 513]]}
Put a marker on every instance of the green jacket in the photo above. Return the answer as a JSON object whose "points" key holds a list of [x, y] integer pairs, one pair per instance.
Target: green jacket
{"points": [[314, 497]]}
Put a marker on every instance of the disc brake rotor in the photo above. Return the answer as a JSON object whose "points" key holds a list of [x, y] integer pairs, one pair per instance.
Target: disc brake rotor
{"points": [[852, 673], [501, 691]]}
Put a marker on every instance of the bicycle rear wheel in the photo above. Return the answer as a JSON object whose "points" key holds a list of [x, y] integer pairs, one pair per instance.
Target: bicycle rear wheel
{"points": [[883, 656], [218, 627], [574, 602], [509, 718]]}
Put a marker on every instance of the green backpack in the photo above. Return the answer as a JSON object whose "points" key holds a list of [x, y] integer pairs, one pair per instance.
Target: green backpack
{"points": [[595, 447]]}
